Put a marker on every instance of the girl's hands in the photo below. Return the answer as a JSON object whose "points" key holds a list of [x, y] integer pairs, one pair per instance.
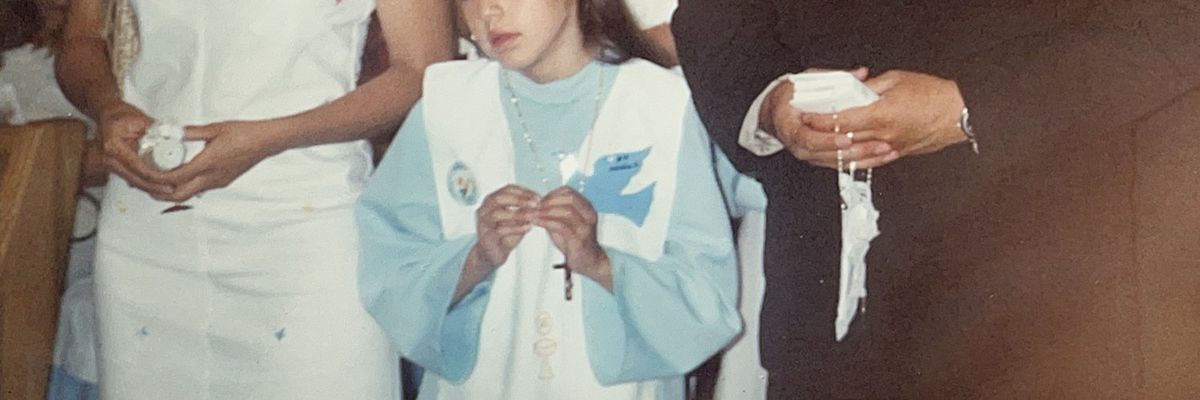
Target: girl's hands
{"points": [[506, 216], [500, 223], [571, 222]]}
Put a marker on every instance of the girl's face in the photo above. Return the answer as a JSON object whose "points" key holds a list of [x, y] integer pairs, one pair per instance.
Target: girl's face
{"points": [[539, 38]]}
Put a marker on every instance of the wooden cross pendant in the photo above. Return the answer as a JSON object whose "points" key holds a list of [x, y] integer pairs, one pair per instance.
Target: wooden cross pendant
{"points": [[567, 283]]}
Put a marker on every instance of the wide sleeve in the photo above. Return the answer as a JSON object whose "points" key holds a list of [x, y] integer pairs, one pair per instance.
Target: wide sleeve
{"points": [[408, 271], [730, 51], [664, 317]]}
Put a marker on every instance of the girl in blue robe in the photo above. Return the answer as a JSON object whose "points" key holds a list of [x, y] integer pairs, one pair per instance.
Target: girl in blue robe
{"points": [[547, 223]]}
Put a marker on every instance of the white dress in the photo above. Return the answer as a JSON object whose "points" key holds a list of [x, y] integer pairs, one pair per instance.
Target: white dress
{"points": [[250, 294]]}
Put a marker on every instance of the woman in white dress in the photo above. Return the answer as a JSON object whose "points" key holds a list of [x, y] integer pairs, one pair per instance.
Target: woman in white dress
{"points": [[247, 290]]}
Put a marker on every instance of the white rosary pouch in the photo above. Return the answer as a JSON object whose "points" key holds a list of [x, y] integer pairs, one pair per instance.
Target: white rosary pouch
{"points": [[859, 226], [833, 92]]}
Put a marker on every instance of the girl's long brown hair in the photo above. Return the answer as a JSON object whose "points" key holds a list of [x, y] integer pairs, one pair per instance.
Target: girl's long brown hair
{"points": [[608, 24]]}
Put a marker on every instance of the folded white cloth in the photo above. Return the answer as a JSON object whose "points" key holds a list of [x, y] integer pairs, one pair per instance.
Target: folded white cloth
{"points": [[829, 92], [859, 226]]}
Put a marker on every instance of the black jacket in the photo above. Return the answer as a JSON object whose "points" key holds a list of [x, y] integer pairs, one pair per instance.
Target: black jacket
{"points": [[978, 268]]}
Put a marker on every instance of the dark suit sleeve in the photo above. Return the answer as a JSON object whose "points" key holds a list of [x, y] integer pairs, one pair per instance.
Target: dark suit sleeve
{"points": [[730, 51]]}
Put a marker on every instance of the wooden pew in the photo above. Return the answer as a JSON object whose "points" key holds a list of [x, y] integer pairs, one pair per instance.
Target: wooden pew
{"points": [[39, 173]]}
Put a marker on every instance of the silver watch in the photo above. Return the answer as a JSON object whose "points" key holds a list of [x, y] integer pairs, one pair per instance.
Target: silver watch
{"points": [[964, 123]]}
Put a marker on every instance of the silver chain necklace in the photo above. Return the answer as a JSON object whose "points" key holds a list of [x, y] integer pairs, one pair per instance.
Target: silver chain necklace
{"points": [[525, 134]]}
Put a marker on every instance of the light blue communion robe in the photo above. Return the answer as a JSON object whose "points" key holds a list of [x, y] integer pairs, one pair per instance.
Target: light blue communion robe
{"points": [[664, 317]]}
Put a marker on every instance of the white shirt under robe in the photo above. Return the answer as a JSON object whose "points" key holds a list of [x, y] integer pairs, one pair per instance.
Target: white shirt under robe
{"points": [[662, 319]]}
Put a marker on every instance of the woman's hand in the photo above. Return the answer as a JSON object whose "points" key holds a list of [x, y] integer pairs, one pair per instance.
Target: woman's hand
{"points": [[571, 222], [121, 127], [500, 223], [231, 148]]}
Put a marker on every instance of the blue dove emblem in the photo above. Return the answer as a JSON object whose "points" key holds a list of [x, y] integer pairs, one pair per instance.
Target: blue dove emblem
{"points": [[610, 175]]}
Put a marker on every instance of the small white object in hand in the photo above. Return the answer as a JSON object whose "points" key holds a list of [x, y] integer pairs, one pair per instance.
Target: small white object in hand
{"points": [[162, 146]]}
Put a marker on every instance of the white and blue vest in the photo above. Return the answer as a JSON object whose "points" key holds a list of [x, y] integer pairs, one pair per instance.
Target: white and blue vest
{"points": [[533, 341]]}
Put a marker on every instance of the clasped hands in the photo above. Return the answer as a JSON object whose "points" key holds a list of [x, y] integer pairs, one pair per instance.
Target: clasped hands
{"points": [[231, 149], [507, 214], [916, 114]]}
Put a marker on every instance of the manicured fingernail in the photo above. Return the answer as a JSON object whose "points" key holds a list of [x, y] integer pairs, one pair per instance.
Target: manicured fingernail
{"points": [[892, 156], [883, 149], [842, 142]]}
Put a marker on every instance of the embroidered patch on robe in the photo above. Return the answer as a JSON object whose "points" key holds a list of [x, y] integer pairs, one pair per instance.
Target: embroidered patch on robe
{"points": [[610, 177]]}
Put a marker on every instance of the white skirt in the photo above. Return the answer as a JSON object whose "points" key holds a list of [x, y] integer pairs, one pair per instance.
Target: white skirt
{"points": [[235, 299]]}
